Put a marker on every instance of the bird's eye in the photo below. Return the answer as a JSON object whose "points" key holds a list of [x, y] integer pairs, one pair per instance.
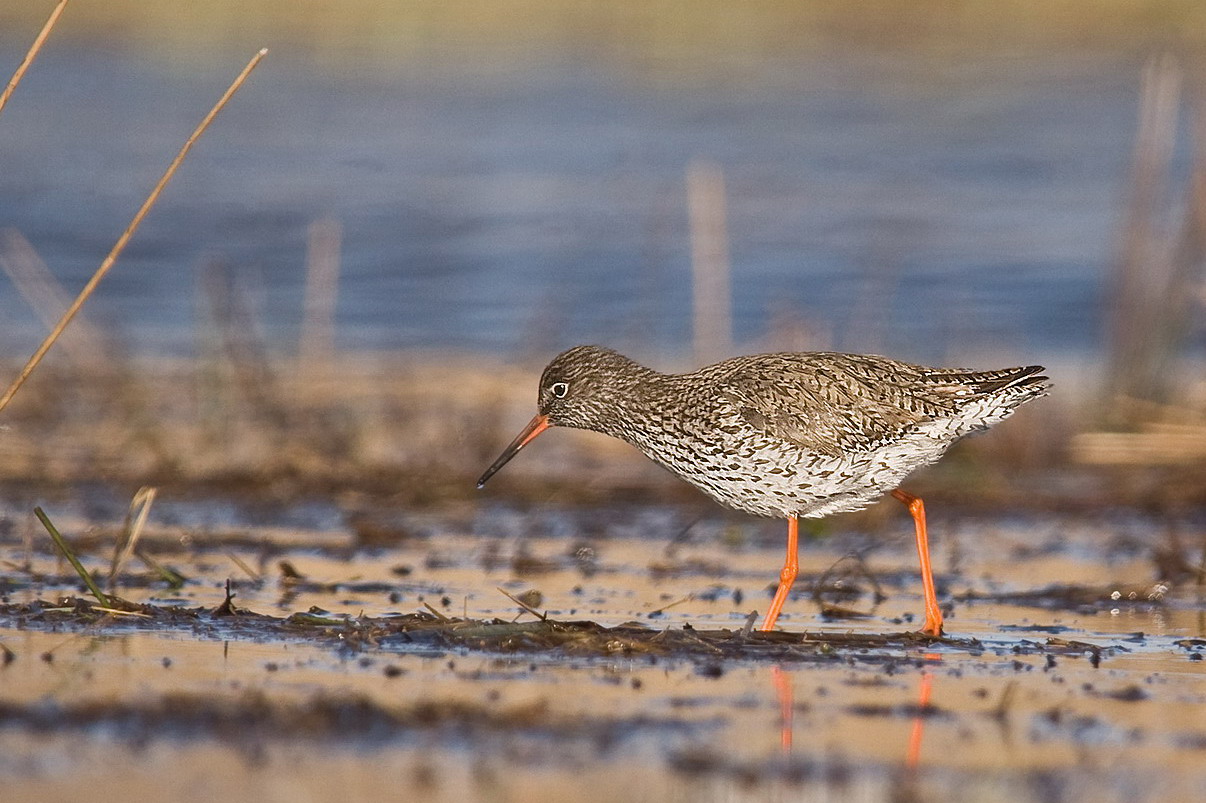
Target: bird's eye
{"points": [[559, 389]]}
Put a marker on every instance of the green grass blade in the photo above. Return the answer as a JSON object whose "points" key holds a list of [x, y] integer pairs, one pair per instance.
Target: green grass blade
{"points": [[75, 563]]}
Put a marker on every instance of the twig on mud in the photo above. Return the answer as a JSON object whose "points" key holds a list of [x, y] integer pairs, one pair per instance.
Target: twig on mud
{"points": [[748, 627], [441, 616], [117, 612], [670, 605], [71, 558], [541, 616], [31, 54], [688, 633], [120, 245], [862, 569], [227, 607]]}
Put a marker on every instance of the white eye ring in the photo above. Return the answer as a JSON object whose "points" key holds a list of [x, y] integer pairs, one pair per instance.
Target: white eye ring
{"points": [[559, 389]]}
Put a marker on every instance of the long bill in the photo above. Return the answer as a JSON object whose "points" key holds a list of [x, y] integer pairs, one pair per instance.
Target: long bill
{"points": [[537, 425]]}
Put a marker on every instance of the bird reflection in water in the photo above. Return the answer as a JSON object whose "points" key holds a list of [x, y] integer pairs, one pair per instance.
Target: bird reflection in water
{"points": [[785, 694]]}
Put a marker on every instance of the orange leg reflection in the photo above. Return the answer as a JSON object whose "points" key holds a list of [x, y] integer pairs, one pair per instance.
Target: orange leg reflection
{"points": [[923, 702], [787, 706]]}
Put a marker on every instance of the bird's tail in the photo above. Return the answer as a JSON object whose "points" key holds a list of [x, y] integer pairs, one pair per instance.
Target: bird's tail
{"points": [[1000, 392], [1027, 382]]}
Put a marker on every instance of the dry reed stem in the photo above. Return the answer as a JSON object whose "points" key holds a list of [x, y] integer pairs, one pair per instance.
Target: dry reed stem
{"points": [[136, 519], [439, 615], [242, 564], [32, 54], [541, 616], [120, 245]]}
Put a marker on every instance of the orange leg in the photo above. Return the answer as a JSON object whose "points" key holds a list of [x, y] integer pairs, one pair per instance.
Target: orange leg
{"points": [[791, 567], [933, 614]]}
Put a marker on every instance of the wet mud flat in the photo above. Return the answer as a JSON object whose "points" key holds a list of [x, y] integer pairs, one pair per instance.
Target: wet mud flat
{"points": [[490, 653]]}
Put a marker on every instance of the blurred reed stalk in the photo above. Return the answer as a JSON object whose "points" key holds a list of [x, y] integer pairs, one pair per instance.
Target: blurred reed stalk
{"points": [[316, 345], [120, 245], [240, 358], [712, 329], [1155, 271], [127, 542], [99, 370], [31, 54], [1158, 290], [45, 296]]}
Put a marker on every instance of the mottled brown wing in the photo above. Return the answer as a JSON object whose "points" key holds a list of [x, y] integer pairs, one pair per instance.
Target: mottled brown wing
{"points": [[835, 403]]}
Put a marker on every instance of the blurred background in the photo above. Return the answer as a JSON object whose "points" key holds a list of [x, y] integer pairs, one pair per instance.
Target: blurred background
{"points": [[357, 274]]}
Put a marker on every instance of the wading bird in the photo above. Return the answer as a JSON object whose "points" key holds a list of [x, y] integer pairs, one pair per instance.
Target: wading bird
{"points": [[787, 435]]}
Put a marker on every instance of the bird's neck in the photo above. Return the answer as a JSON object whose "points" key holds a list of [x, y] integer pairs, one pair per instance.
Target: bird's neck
{"points": [[634, 397]]}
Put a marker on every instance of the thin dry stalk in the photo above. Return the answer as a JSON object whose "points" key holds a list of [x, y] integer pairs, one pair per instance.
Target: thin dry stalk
{"points": [[136, 519], [668, 606], [32, 54], [242, 564], [712, 305], [120, 245], [439, 615], [541, 616]]}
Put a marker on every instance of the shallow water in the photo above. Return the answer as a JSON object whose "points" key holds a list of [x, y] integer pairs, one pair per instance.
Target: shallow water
{"points": [[937, 207], [1010, 716]]}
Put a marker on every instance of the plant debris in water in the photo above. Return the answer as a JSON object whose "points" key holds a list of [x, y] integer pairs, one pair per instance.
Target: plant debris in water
{"points": [[427, 630]]}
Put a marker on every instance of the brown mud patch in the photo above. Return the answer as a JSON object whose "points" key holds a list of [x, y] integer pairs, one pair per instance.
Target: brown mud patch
{"points": [[580, 639], [254, 716], [499, 653]]}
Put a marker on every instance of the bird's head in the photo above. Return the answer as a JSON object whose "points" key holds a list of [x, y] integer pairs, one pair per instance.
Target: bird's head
{"points": [[579, 388]]}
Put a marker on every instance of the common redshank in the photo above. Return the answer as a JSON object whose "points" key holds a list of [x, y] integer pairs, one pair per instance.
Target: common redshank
{"points": [[784, 435]]}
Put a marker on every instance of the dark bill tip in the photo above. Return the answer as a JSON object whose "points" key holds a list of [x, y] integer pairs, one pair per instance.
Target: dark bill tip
{"points": [[537, 425]]}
